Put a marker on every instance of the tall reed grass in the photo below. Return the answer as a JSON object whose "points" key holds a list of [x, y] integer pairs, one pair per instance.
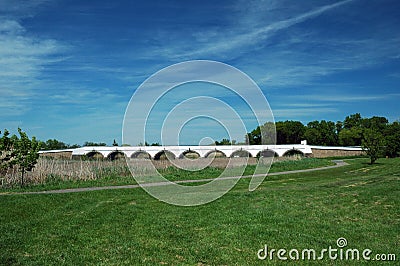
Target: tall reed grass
{"points": [[50, 169]]}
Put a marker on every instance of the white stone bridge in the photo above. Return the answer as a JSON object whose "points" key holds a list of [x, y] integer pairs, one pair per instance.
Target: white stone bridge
{"points": [[157, 152]]}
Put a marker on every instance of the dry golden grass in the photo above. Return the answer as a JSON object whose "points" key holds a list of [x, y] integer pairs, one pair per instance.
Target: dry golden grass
{"points": [[63, 169]]}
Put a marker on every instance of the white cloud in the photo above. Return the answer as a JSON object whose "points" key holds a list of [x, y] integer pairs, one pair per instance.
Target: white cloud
{"points": [[342, 98], [297, 113], [327, 100], [288, 64], [284, 62], [20, 8], [23, 56], [10, 27], [217, 42], [302, 105], [22, 60], [310, 105]]}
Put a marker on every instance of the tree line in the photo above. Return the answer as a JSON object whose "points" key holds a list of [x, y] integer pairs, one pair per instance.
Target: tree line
{"points": [[354, 130], [54, 144]]}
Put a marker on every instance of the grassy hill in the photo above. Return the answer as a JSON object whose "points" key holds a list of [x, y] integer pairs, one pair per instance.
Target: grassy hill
{"points": [[359, 202]]}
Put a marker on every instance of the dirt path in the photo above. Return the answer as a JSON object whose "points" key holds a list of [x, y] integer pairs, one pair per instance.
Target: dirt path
{"points": [[338, 163]]}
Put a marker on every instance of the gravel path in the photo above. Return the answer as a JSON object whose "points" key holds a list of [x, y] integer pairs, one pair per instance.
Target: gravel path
{"points": [[338, 163]]}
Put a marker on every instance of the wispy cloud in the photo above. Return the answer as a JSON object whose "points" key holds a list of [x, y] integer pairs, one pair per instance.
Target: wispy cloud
{"points": [[343, 98], [302, 113], [290, 65], [20, 8], [22, 60], [285, 57], [308, 106], [303, 105], [215, 43], [23, 57], [261, 34], [90, 98]]}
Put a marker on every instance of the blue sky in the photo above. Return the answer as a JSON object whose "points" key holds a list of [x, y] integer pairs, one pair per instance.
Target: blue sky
{"points": [[69, 68]]}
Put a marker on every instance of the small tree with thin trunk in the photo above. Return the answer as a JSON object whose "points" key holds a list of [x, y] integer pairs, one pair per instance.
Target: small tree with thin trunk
{"points": [[26, 153], [373, 144]]}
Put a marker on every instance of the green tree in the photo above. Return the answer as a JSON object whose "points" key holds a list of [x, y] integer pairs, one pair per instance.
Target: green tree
{"points": [[148, 144], [350, 136], [392, 139], [266, 134], [376, 122], [254, 137], [223, 142], [53, 144], [73, 146], [373, 144], [321, 133], [89, 143], [289, 132], [354, 120], [26, 153], [339, 127], [7, 154]]}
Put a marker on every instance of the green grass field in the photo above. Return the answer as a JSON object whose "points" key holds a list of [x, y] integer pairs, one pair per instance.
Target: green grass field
{"points": [[128, 227]]}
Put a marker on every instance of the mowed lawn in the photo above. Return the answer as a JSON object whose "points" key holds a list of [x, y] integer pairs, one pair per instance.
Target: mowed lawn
{"points": [[359, 202]]}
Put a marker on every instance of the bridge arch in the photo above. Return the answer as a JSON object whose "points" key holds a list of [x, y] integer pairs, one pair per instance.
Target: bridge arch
{"points": [[189, 154], [141, 155], [94, 155], [215, 154], [241, 153], [267, 153], [293, 152], [164, 154], [116, 155]]}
